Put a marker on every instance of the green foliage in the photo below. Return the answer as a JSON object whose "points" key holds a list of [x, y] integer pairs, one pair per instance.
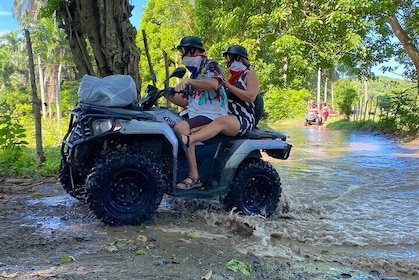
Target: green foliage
{"points": [[239, 266], [14, 72], [17, 162], [22, 161], [283, 104], [14, 102], [165, 22], [403, 113], [346, 96], [367, 125], [12, 134], [69, 96], [287, 42], [13, 147]]}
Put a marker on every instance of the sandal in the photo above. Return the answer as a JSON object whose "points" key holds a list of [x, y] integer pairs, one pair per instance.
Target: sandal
{"points": [[186, 185]]}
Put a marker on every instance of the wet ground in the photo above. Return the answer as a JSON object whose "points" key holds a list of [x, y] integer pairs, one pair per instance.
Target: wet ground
{"points": [[46, 234]]}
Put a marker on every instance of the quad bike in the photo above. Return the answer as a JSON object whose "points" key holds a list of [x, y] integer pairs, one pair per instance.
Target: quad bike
{"points": [[121, 161], [313, 118]]}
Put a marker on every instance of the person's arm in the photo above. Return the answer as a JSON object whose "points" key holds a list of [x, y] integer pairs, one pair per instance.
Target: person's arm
{"points": [[207, 84], [177, 100], [252, 87]]}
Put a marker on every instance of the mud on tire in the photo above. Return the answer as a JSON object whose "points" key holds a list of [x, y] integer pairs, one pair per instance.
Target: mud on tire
{"points": [[256, 189], [78, 191], [125, 188]]}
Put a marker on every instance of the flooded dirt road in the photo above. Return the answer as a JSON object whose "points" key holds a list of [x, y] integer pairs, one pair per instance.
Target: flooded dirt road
{"points": [[348, 211]]}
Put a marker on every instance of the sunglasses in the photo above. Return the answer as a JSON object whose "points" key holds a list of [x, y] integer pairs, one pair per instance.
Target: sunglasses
{"points": [[230, 58], [185, 51]]}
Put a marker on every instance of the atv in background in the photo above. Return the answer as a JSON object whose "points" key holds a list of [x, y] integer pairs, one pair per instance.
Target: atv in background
{"points": [[313, 118], [121, 158]]}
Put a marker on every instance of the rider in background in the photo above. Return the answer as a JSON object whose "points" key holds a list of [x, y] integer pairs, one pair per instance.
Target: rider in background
{"points": [[204, 96], [325, 111], [243, 88], [313, 108]]}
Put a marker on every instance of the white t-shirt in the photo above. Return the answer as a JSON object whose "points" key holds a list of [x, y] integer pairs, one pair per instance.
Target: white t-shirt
{"points": [[211, 104]]}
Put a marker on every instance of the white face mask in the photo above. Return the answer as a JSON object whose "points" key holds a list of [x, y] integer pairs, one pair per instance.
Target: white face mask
{"points": [[192, 63], [237, 66]]}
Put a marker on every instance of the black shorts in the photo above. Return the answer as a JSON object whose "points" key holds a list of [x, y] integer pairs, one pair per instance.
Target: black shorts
{"points": [[198, 121]]}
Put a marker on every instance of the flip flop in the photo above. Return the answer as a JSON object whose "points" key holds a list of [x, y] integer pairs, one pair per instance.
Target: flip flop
{"points": [[185, 185]]}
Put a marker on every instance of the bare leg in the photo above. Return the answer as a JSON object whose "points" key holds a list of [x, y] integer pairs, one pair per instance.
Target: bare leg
{"points": [[227, 125], [184, 129]]}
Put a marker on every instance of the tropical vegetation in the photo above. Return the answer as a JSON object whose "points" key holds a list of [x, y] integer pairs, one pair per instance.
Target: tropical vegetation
{"points": [[302, 50]]}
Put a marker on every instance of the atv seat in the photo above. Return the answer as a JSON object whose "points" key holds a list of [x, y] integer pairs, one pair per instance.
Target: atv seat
{"points": [[259, 110]]}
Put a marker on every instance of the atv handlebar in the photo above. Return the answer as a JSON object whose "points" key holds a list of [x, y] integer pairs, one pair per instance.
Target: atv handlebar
{"points": [[153, 94], [171, 91]]}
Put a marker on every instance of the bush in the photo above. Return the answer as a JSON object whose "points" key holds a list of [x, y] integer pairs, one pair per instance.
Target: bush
{"points": [[20, 159], [345, 98], [404, 112], [12, 134], [281, 104]]}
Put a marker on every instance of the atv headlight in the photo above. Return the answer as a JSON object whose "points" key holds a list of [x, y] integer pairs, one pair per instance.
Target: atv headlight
{"points": [[101, 126]]}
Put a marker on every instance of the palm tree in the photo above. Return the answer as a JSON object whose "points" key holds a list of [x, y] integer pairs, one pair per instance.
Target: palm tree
{"points": [[26, 12]]}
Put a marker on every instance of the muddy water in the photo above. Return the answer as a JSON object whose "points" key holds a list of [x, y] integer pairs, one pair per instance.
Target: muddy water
{"points": [[350, 198], [353, 198]]}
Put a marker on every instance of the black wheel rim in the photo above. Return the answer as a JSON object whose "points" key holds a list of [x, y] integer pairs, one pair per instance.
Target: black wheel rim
{"points": [[128, 190], [256, 194]]}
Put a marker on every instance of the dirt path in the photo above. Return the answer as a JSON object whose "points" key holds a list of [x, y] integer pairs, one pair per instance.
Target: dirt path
{"points": [[46, 234]]}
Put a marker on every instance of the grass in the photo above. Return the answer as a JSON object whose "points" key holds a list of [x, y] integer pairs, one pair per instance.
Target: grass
{"points": [[21, 161]]}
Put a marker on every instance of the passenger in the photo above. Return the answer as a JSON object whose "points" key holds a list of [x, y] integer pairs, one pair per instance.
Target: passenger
{"points": [[313, 109], [205, 99], [243, 88], [325, 111]]}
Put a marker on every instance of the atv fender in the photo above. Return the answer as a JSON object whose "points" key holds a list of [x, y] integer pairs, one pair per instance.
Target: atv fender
{"points": [[243, 149], [138, 127]]}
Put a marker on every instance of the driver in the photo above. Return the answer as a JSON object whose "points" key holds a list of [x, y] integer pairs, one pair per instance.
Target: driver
{"points": [[243, 89], [203, 94]]}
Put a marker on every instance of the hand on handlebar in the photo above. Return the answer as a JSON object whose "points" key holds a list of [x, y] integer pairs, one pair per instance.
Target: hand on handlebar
{"points": [[180, 87], [170, 91]]}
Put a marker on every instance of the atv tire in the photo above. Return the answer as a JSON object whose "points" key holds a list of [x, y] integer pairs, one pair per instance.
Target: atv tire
{"points": [[319, 121], [256, 189], [78, 191], [125, 188]]}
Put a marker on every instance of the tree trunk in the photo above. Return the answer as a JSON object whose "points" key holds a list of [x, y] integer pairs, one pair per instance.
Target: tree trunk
{"points": [[332, 93], [73, 27], [319, 79], [106, 25], [366, 97], [325, 89], [41, 84], [285, 69], [58, 87], [36, 103], [406, 42]]}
